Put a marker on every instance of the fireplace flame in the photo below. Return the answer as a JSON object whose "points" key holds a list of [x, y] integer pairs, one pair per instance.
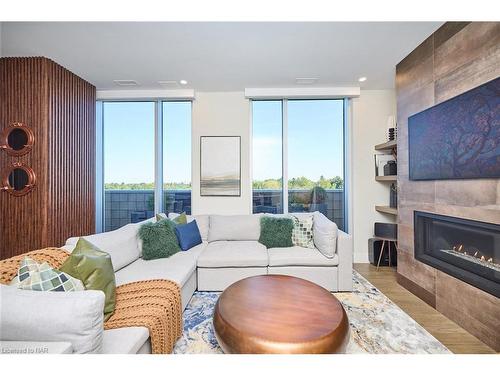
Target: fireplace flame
{"points": [[477, 253]]}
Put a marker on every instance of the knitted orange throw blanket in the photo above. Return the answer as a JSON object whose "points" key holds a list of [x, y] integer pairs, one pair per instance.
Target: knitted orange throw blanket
{"points": [[154, 304]]}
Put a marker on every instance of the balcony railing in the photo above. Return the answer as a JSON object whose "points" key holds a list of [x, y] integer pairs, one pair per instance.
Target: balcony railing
{"points": [[131, 206]]}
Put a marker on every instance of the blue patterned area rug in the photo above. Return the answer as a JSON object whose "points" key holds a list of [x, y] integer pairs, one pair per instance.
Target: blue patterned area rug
{"points": [[378, 326]]}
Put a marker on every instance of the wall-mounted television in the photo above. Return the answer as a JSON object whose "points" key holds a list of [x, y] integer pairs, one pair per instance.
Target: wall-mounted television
{"points": [[459, 138]]}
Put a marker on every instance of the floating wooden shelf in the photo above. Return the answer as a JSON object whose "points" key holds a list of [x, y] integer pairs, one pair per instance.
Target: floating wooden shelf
{"points": [[386, 146], [386, 178], [387, 210]]}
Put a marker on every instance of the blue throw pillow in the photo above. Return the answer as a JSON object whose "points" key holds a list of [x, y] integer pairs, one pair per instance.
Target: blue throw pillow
{"points": [[188, 235]]}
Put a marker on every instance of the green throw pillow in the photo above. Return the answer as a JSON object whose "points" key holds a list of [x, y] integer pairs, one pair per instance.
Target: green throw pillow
{"points": [[158, 239], [276, 232], [181, 219], [41, 276], [94, 268]]}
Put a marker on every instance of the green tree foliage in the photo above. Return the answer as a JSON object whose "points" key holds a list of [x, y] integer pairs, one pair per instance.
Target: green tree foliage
{"points": [[302, 183], [146, 186]]}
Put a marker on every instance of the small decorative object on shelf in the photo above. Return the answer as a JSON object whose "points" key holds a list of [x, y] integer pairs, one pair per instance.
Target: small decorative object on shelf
{"points": [[380, 161], [393, 202], [390, 168], [392, 130]]}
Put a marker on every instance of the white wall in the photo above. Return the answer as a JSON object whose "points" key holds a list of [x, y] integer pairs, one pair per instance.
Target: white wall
{"points": [[221, 113], [370, 112]]}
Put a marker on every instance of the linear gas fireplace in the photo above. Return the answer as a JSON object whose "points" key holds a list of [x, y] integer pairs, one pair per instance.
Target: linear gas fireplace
{"points": [[466, 249]]}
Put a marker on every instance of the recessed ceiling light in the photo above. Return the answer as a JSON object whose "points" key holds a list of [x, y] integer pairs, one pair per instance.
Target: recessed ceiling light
{"points": [[362, 79], [125, 82], [305, 81], [183, 82]]}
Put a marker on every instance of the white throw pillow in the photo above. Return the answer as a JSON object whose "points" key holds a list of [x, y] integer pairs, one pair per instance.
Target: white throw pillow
{"points": [[75, 317], [325, 234], [202, 221]]}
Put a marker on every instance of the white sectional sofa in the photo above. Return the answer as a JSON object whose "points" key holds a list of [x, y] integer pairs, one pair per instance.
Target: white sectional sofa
{"points": [[230, 251]]}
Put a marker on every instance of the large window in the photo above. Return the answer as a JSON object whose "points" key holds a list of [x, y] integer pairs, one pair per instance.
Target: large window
{"points": [[300, 142], [267, 157], [135, 185], [129, 162], [177, 157]]}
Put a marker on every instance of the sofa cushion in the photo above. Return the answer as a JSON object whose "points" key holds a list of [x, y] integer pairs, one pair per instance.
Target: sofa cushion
{"points": [[122, 244], [126, 340], [32, 275], [325, 234], [94, 268], [234, 228], [203, 222], [302, 234], [178, 268], [158, 239], [74, 317], [188, 235], [299, 256], [276, 231], [233, 254]]}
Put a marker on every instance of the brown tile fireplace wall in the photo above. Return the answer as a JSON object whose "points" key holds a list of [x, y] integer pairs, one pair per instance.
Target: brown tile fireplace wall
{"points": [[457, 57]]}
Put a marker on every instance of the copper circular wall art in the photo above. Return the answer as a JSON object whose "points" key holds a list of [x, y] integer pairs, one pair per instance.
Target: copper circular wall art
{"points": [[17, 139], [19, 180]]}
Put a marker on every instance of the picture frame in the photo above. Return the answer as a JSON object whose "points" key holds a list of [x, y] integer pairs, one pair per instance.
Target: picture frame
{"points": [[457, 138], [220, 166]]}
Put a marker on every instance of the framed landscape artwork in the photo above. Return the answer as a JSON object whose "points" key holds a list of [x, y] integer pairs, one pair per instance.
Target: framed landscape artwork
{"points": [[220, 166], [459, 138]]}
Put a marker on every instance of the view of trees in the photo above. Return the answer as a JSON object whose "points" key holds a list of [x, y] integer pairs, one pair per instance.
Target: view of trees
{"points": [[270, 184], [146, 186], [301, 183]]}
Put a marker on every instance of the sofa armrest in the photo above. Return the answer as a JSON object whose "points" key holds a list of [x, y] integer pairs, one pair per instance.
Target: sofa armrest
{"points": [[345, 253], [35, 347]]}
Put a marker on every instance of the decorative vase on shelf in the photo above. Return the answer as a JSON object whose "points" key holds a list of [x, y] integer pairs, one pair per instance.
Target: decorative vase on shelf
{"points": [[391, 168], [391, 128], [393, 198]]}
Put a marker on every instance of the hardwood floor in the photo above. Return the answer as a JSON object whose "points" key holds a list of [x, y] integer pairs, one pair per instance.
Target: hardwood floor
{"points": [[446, 331]]}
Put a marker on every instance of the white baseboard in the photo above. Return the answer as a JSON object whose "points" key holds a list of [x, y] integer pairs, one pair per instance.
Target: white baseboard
{"points": [[361, 257]]}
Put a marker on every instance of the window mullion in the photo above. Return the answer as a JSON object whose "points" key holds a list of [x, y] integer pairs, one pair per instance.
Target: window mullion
{"points": [[158, 190], [285, 155]]}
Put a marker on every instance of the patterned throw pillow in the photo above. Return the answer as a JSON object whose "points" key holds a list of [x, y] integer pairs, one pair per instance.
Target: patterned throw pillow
{"points": [[302, 234], [35, 276]]}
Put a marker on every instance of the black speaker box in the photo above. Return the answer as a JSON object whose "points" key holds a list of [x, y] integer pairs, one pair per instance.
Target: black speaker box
{"points": [[374, 248], [386, 230]]}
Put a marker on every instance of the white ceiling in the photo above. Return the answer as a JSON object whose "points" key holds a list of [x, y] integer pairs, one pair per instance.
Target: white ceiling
{"points": [[221, 56]]}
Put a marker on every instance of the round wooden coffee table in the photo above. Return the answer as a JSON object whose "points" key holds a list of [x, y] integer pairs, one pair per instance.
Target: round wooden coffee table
{"points": [[280, 314]]}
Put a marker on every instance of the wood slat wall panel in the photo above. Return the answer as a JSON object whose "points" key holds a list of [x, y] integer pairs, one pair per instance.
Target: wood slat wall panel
{"points": [[60, 109]]}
